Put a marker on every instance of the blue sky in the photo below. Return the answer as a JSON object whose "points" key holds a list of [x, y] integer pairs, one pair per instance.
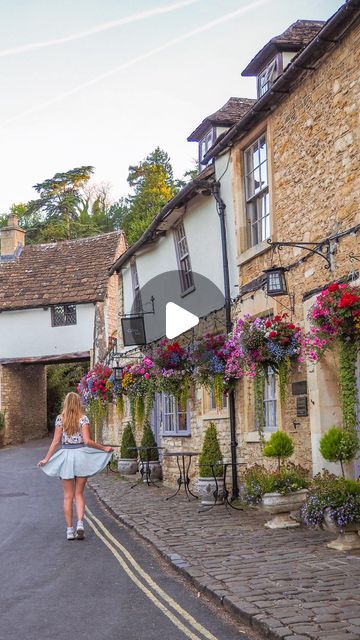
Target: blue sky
{"points": [[118, 120]]}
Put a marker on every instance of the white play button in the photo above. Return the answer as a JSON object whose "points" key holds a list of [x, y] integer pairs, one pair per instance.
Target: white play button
{"points": [[178, 320]]}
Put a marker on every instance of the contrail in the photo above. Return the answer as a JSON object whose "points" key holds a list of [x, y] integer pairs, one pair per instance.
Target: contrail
{"points": [[98, 29], [133, 61]]}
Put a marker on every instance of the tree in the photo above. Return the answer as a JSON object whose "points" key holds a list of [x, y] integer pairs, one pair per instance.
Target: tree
{"points": [[153, 184], [339, 445], [280, 446]]}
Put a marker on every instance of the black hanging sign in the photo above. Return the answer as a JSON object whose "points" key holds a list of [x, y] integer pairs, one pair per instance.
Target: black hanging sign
{"points": [[133, 330]]}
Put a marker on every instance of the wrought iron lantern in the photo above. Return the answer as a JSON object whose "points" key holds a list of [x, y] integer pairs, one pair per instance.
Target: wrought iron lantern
{"points": [[117, 370], [276, 281]]}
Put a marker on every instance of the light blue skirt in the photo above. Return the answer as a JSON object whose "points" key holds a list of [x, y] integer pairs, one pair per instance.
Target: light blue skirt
{"points": [[70, 462]]}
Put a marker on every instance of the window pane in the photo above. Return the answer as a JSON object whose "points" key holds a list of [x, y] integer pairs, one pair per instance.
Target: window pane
{"points": [[256, 179], [262, 149]]}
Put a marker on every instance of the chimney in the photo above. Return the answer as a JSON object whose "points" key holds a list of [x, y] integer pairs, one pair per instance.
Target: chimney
{"points": [[12, 238]]}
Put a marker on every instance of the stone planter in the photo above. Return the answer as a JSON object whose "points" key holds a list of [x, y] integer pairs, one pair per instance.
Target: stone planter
{"points": [[280, 505], [155, 470], [128, 466], [348, 538], [206, 490]]}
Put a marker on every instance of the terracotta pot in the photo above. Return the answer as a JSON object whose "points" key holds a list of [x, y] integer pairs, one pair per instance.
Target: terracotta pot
{"points": [[348, 537], [206, 490], [127, 466], [281, 505]]}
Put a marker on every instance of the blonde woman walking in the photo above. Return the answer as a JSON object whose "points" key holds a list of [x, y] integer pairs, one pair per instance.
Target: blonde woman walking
{"points": [[78, 458]]}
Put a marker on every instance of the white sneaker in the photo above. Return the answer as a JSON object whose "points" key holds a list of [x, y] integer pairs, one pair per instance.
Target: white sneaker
{"points": [[80, 533], [70, 533]]}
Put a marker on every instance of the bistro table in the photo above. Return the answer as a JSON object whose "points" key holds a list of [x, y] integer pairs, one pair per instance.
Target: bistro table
{"points": [[184, 467], [144, 468], [221, 493]]}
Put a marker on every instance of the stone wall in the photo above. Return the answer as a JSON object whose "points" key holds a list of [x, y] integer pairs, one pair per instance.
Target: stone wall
{"points": [[23, 397]]}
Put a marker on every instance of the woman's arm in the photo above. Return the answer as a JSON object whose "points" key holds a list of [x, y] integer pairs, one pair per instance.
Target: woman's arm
{"points": [[91, 443], [54, 445]]}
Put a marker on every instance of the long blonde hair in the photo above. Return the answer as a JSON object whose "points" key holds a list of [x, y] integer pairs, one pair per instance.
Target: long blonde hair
{"points": [[71, 413]]}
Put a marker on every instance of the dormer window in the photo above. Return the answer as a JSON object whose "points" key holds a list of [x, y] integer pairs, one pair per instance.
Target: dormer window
{"points": [[204, 145], [268, 76]]}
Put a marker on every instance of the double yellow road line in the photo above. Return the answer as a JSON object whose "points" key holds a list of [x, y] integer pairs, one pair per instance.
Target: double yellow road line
{"points": [[167, 605]]}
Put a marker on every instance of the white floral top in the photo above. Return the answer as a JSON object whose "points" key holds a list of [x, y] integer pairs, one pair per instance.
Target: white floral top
{"points": [[76, 438]]}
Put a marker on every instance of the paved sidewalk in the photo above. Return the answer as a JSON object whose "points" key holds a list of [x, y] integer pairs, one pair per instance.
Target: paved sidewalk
{"points": [[284, 583]]}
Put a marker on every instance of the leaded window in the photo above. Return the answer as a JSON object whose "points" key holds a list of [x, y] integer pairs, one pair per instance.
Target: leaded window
{"points": [[174, 418], [63, 315]]}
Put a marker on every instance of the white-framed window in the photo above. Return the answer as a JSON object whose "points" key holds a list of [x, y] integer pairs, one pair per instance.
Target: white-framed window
{"points": [[267, 77], [183, 258], [174, 420], [204, 145], [135, 286], [212, 403], [63, 315], [270, 402], [257, 192]]}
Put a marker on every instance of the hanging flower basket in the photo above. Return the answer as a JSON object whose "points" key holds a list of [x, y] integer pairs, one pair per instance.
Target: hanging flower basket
{"points": [[174, 368], [260, 343], [209, 359], [96, 391], [138, 383], [335, 319]]}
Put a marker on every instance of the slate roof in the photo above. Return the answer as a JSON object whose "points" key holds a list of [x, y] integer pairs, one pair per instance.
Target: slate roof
{"points": [[226, 116], [294, 38], [63, 272]]}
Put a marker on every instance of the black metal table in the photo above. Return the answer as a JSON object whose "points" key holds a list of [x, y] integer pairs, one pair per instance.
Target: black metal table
{"points": [[221, 490], [144, 466], [183, 479]]}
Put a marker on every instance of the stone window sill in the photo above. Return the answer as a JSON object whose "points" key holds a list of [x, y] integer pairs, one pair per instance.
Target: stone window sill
{"points": [[215, 415], [254, 436], [251, 253]]}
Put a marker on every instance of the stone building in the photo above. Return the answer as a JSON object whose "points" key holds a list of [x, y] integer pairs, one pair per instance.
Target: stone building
{"points": [[297, 148], [57, 304], [295, 163]]}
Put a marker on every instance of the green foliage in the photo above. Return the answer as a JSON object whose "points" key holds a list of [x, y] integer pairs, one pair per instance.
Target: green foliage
{"points": [[257, 481], [259, 405], [337, 445], [210, 454], [2, 420], [283, 373], [61, 379], [280, 446], [347, 380], [128, 440], [148, 440], [153, 184]]}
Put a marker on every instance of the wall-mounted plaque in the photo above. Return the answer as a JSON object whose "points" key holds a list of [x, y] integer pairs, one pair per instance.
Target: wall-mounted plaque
{"points": [[299, 388], [302, 406]]}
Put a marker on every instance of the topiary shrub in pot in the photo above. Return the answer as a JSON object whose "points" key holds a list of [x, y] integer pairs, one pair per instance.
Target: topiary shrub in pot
{"points": [[127, 463], [282, 503], [150, 457], [339, 445], [210, 468]]}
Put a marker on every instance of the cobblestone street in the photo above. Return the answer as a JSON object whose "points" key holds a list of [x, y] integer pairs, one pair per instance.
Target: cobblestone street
{"points": [[284, 583]]}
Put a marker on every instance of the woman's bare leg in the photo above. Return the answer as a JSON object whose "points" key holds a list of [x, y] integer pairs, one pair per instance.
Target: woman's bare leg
{"points": [[79, 497], [69, 492]]}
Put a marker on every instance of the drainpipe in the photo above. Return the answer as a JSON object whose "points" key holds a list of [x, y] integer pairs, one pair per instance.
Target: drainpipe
{"points": [[221, 206]]}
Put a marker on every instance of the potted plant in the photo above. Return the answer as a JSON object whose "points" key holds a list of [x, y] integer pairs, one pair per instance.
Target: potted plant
{"points": [[138, 382], [127, 463], [209, 359], [338, 445], [334, 504], [210, 468], [278, 492], [151, 456], [174, 368], [277, 502]]}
